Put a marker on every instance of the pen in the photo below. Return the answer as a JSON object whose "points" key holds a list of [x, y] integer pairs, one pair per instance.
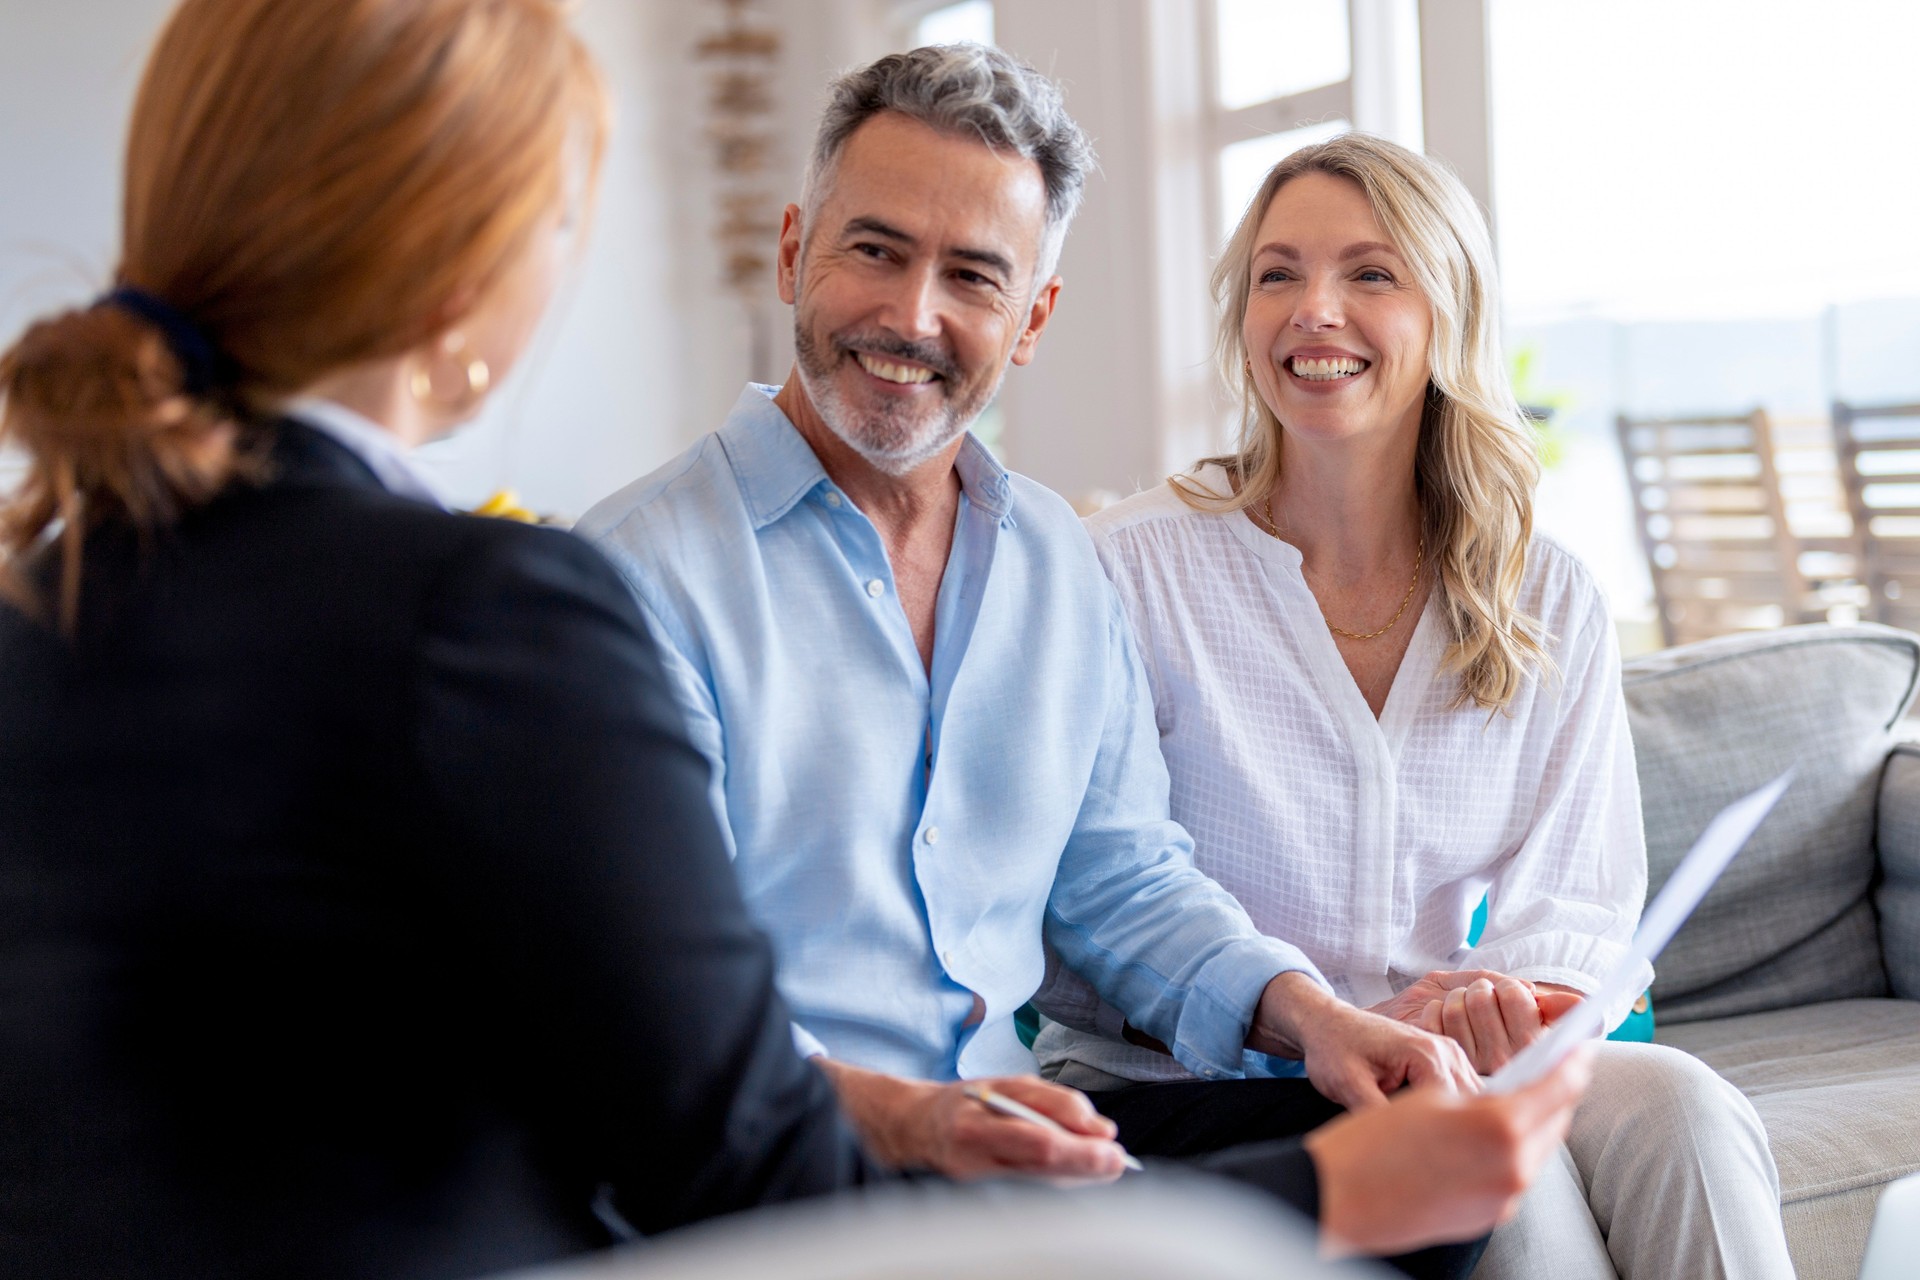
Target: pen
{"points": [[1021, 1111]]}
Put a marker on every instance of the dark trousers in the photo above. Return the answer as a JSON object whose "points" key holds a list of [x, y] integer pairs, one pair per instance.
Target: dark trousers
{"points": [[1249, 1130]]}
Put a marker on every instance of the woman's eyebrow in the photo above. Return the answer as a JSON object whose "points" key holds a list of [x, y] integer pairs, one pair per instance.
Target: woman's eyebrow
{"points": [[1366, 247]]}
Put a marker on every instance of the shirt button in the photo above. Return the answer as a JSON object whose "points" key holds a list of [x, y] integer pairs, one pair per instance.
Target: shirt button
{"points": [[931, 835], [875, 587], [946, 958], [833, 497]]}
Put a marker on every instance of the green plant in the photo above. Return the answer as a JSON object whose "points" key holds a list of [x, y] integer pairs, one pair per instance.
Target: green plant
{"points": [[1543, 407]]}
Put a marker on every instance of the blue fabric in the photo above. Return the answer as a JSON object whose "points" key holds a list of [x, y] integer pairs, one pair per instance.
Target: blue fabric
{"points": [[908, 840]]}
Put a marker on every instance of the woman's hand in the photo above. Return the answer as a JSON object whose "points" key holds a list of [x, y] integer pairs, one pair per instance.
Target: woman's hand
{"points": [[1492, 1016]]}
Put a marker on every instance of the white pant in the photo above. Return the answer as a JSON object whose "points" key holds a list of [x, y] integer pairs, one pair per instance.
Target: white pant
{"points": [[1666, 1173]]}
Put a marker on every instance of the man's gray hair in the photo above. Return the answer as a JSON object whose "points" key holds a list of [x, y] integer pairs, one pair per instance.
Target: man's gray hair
{"points": [[965, 88]]}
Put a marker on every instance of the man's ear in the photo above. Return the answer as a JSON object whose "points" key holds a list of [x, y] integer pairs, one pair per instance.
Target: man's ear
{"points": [[787, 267], [1037, 316]]}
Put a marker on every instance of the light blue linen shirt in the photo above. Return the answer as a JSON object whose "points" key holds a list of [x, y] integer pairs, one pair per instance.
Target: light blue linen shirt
{"points": [[910, 841]]}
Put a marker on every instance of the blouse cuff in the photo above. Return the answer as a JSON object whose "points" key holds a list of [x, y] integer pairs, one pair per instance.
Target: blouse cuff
{"points": [[1580, 961]]}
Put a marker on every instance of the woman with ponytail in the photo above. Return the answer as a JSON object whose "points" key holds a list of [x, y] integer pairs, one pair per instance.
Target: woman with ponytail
{"points": [[361, 909], [1383, 697]]}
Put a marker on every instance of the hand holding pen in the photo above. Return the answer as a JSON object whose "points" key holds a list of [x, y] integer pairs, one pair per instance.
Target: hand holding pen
{"points": [[953, 1129], [999, 1102]]}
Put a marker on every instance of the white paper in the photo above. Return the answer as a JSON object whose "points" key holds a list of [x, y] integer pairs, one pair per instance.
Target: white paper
{"points": [[1684, 889]]}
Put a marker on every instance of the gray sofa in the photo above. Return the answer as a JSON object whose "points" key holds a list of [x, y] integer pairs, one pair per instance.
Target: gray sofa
{"points": [[1799, 977]]}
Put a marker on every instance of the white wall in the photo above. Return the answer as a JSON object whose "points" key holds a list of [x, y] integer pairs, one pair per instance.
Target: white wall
{"points": [[1120, 392], [67, 74], [606, 393]]}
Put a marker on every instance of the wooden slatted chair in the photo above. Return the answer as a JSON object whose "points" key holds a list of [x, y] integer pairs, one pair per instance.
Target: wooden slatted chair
{"points": [[1813, 492], [1713, 519], [1879, 448]]}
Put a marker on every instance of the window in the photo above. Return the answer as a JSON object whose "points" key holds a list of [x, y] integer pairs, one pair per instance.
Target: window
{"points": [[1267, 51], [1703, 236], [1281, 78]]}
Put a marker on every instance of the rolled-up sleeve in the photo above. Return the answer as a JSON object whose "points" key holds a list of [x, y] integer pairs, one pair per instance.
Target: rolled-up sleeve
{"points": [[1154, 937]]}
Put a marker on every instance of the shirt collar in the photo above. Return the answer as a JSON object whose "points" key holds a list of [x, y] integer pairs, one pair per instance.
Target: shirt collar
{"points": [[776, 467], [392, 465]]}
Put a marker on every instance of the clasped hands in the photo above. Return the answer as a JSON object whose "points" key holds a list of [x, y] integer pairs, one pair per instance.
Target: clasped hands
{"points": [[1491, 1016]]}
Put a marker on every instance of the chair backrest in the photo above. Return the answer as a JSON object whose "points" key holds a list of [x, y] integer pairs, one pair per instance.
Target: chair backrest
{"points": [[1713, 524], [1879, 448], [1792, 921]]}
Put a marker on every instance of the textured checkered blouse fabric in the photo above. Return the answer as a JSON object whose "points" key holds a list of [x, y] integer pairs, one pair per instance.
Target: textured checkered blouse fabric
{"points": [[1368, 843]]}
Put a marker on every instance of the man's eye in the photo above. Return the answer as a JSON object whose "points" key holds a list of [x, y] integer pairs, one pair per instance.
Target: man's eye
{"points": [[870, 250]]}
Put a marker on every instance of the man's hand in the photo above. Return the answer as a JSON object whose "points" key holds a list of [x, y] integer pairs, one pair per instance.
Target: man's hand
{"points": [[916, 1124], [1491, 1015], [1353, 1057], [1430, 1167]]}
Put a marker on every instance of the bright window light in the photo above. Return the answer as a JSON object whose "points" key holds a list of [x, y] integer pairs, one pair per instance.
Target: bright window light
{"points": [[950, 24], [1746, 161], [1273, 48]]}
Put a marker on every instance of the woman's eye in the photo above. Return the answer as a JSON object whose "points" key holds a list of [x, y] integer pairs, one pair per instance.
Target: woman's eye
{"points": [[1273, 275], [1375, 275]]}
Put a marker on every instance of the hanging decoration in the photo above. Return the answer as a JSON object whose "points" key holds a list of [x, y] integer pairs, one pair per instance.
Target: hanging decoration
{"points": [[742, 59]]}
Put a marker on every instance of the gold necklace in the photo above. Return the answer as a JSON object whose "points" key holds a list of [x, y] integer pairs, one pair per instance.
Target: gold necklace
{"points": [[1419, 557]]}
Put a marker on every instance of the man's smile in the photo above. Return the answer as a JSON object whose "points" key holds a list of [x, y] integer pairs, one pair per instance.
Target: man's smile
{"points": [[892, 371]]}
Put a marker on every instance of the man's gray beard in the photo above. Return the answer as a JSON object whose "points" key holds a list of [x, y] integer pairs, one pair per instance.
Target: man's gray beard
{"points": [[890, 446]]}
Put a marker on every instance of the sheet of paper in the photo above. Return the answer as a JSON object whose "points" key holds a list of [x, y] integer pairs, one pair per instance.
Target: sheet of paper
{"points": [[1663, 917]]}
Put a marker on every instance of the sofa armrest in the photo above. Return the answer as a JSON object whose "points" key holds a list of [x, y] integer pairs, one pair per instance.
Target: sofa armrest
{"points": [[1897, 899]]}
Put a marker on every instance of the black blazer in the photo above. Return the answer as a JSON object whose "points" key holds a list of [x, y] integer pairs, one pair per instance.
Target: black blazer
{"points": [[362, 909]]}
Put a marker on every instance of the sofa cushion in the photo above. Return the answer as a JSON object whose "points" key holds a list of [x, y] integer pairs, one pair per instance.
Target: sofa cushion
{"points": [[1838, 1087], [1791, 922], [1898, 898]]}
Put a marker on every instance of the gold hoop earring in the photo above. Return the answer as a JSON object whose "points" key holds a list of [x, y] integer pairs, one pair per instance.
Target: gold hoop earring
{"points": [[475, 374]]}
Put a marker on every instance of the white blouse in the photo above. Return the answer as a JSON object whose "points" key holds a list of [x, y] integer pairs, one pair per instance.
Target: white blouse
{"points": [[1368, 843]]}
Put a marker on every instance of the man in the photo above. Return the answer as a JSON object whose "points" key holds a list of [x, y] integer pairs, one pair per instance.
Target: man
{"points": [[933, 748]]}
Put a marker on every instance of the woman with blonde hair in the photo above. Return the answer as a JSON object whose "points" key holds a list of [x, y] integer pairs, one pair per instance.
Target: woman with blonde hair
{"points": [[361, 909], [1382, 696]]}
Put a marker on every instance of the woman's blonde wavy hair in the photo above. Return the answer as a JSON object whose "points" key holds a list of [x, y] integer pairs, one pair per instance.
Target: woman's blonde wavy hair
{"points": [[1477, 458]]}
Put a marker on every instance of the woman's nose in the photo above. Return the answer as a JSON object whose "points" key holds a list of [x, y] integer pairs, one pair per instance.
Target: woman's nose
{"points": [[1318, 306]]}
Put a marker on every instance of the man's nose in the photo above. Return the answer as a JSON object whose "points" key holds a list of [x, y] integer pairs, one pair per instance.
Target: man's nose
{"points": [[1319, 305], [912, 308]]}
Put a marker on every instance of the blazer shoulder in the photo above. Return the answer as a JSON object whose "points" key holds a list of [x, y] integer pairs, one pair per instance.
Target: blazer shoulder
{"points": [[515, 559]]}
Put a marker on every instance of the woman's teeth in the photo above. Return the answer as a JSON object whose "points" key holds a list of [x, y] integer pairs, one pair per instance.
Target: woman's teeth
{"points": [[902, 373], [1327, 369]]}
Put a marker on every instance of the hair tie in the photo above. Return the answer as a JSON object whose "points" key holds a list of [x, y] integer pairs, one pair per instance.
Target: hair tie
{"points": [[202, 362]]}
